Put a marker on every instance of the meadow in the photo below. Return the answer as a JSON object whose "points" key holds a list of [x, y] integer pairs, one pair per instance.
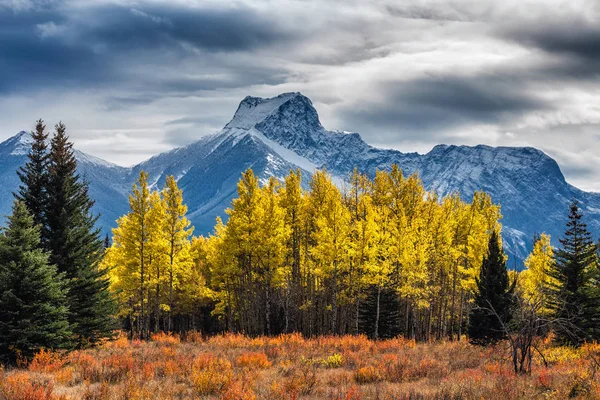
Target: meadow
{"points": [[237, 367]]}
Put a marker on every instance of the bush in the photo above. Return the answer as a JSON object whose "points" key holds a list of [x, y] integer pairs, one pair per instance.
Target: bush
{"points": [[333, 361], [211, 375], [46, 361], [253, 360], [367, 375], [19, 386]]}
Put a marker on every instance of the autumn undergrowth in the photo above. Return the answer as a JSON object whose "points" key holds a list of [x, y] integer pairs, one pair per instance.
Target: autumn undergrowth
{"points": [[292, 367]]}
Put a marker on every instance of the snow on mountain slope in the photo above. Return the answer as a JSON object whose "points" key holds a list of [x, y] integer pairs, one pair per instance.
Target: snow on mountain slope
{"points": [[274, 135]]}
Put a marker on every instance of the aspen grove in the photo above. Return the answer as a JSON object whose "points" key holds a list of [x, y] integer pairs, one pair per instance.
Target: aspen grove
{"points": [[379, 256]]}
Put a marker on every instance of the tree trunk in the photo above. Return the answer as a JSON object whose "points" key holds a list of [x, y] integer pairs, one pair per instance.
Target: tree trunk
{"points": [[376, 333]]}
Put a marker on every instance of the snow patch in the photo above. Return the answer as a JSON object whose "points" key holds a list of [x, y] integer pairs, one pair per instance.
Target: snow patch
{"points": [[89, 159], [286, 154], [22, 144], [253, 110]]}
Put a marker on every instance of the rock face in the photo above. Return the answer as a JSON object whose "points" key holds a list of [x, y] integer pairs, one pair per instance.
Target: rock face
{"points": [[271, 136]]}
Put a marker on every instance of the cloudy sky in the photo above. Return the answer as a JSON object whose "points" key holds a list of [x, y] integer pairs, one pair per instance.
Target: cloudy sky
{"points": [[134, 78]]}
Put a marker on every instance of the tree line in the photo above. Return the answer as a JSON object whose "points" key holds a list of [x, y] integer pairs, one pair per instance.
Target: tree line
{"points": [[375, 255]]}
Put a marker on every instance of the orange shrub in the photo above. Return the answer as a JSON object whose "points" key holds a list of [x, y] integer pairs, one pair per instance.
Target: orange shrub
{"points": [[166, 338], [544, 379], [116, 367], [65, 376], [211, 375], [239, 391], [368, 374], [120, 342], [46, 361], [95, 392], [194, 337], [19, 386], [87, 365], [230, 341], [302, 380], [352, 394], [394, 368], [253, 360]]}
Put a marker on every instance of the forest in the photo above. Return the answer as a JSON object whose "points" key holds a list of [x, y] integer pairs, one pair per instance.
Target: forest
{"points": [[375, 257]]}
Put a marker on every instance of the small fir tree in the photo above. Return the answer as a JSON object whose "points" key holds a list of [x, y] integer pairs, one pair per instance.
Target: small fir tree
{"points": [[494, 298], [573, 297], [34, 176], [33, 314]]}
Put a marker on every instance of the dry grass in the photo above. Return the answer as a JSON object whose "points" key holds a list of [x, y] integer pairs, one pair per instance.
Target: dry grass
{"points": [[290, 367]]}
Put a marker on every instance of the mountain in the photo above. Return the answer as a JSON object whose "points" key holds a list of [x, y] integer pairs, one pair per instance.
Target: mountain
{"points": [[109, 183], [274, 135]]}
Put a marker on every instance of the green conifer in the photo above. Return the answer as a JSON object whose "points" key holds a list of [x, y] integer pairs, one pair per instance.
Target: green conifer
{"points": [[494, 299], [76, 245], [34, 176], [573, 297], [33, 314]]}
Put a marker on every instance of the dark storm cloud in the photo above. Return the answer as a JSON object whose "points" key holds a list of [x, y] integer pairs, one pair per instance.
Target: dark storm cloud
{"points": [[229, 29], [572, 38], [424, 107], [29, 61], [57, 46]]}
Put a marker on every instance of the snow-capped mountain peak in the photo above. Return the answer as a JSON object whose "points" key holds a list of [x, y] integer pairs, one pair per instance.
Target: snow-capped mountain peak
{"points": [[21, 143], [253, 111]]}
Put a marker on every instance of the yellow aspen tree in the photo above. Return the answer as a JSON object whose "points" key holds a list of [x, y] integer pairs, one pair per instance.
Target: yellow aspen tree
{"points": [[331, 239], [270, 251], [379, 270], [221, 271], [177, 232], [157, 257], [292, 201], [416, 241], [443, 257], [361, 253], [243, 237], [535, 279], [130, 258], [193, 291], [315, 303]]}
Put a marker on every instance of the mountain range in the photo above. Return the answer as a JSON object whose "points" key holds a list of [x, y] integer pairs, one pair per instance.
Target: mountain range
{"points": [[277, 134]]}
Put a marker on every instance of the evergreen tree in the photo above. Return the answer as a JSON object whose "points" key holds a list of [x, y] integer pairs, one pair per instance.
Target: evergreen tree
{"points": [[33, 314], [34, 176], [75, 244], [573, 300], [379, 313], [493, 301]]}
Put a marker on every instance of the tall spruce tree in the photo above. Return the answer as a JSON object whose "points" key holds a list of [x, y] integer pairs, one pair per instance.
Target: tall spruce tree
{"points": [[75, 244], [33, 314], [34, 176], [494, 298], [573, 296]]}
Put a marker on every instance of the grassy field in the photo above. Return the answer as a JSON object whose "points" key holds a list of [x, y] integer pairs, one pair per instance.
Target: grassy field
{"points": [[291, 367]]}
